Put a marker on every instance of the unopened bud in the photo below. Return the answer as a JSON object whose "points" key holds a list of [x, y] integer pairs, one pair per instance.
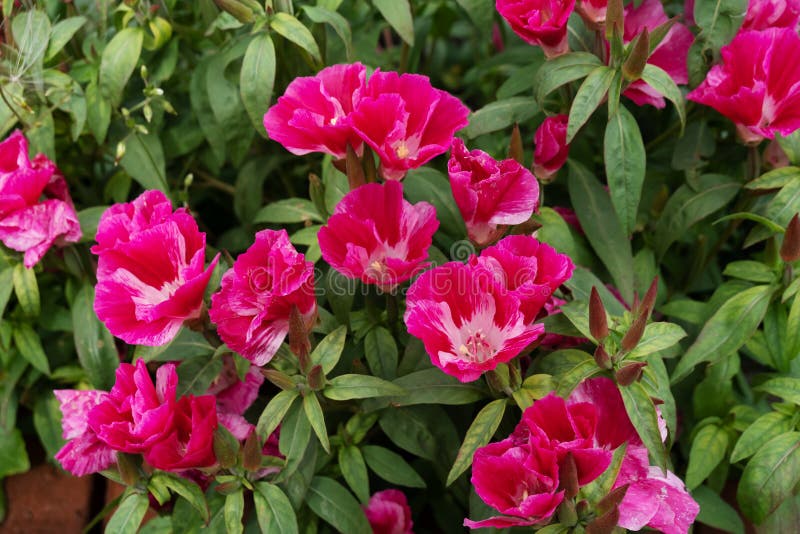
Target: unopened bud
{"points": [[235, 8], [251, 452], [568, 476], [515, 149], [316, 378], [649, 301], [120, 153], [598, 322], [355, 172], [790, 249], [316, 191], [299, 343], [635, 332], [602, 358], [279, 379], [605, 524], [613, 498], [128, 468], [615, 17], [226, 447], [630, 373], [640, 50]]}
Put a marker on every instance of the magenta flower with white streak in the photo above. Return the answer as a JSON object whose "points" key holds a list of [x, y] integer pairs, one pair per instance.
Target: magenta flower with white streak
{"points": [[84, 452]]}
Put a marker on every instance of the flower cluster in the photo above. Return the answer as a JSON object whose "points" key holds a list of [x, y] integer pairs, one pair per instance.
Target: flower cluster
{"points": [[404, 119], [562, 444], [36, 210], [473, 317], [138, 417]]}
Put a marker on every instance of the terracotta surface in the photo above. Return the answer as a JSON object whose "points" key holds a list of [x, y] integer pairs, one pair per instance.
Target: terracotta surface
{"points": [[46, 500]]}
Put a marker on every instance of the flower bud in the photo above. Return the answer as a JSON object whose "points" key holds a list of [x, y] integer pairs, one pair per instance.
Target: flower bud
{"points": [[299, 343], [128, 468], [279, 379], [630, 373], [613, 498], [316, 378], [604, 524], [790, 249], [251, 452], [635, 332], [316, 191], [568, 476], [354, 170], [598, 322], [235, 8], [515, 150], [602, 358], [614, 18], [640, 50], [226, 447], [649, 301]]}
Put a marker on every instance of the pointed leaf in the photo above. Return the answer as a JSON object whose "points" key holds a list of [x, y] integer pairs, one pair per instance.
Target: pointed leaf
{"points": [[589, 95], [257, 78], [770, 476], [273, 510], [391, 467], [480, 432], [625, 165], [335, 505]]}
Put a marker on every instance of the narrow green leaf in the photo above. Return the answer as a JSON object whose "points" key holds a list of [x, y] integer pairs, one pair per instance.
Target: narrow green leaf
{"points": [[346, 387], [273, 510], [13, 456], [727, 330], [643, 415], [380, 350], [6, 286], [500, 114], [47, 421], [775, 179], [195, 375], [768, 226], [602, 227], [295, 434], [391, 467], [187, 489], [577, 373], [329, 350], [27, 290], [291, 28], [625, 165], [186, 345], [98, 112], [234, 510], [770, 476], [432, 186], [480, 432], [410, 431], [768, 426], [27, 341], [257, 78], [792, 342], [663, 83], [61, 34], [562, 70], [398, 14], [129, 514], [780, 211], [432, 386], [320, 15], [785, 387], [335, 505], [657, 336], [274, 412], [289, 210], [589, 95], [144, 161], [708, 450], [354, 471], [317, 419], [715, 512], [719, 19], [93, 342], [118, 61]]}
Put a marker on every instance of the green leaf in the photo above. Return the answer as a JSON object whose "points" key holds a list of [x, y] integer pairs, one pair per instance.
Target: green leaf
{"points": [[688, 206], [233, 511], [47, 421], [27, 341], [770, 476], [410, 431], [768, 426], [354, 471], [380, 350], [98, 112], [708, 450], [623, 149], [657, 336], [715, 512], [144, 161], [774, 179], [589, 95], [27, 290], [335, 505], [753, 271], [769, 226], [195, 375], [186, 345], [430, 185], [273, 510], [93, 342], [187, 489], [602, 227], [295, 434], [291, 28], [398, 14], [391, 467], [347, 387], [480, 432], [129, 514], [562, 70], [61, 34], [500, 115], [643, 415], [257, 78], [320, 15], [792, 341], [6, 286], [719, 19], [432, 386], [581, 284], [663, 83], [780, 210], [13, 456], [317, 419], [288, 210], [118, 61], [785, 387], [575, 374], [727, 330], [274, 412], [89, 218], [329, 350]]}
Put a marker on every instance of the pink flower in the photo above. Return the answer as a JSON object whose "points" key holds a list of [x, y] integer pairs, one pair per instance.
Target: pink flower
{"points": [[539, 22], [518, 478], [313, 115], [763, 14], [551, 147], [670, 54], [150, 276], [190, 441], [468, 321], [531, 271], [377, 236], [27, 224], [758, 84], [253, 306], [491, 195], [406, 121], [388, 513], [84, 452]]}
